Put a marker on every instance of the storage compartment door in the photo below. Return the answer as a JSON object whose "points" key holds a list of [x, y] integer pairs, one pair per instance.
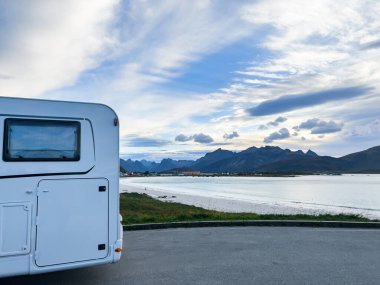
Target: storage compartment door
{"points": [[15, 221], [72, 221]]}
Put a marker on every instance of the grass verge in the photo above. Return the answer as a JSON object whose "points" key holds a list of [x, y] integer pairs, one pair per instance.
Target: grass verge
{"points": [[141, 208]]}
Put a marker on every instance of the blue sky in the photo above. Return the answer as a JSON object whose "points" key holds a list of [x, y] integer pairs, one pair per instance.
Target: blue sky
{"points": [[187, 77]]}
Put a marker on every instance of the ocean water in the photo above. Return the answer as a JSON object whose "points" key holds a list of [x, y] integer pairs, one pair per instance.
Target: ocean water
{"points": [[358, 194]]}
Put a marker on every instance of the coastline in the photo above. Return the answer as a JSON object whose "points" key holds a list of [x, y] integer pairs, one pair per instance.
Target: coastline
{"points": [[219, 203], [229, 205]]}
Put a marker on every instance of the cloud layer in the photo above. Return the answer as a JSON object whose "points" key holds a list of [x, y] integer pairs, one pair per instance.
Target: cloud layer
{"points": [[137, 141], [172, 66], [46, 45]]}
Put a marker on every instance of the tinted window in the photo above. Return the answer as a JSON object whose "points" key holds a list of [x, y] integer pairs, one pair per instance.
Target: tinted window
{"points": [[41, 140]]}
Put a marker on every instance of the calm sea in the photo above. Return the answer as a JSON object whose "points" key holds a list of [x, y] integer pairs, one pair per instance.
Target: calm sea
{"points": [[358, 194]]}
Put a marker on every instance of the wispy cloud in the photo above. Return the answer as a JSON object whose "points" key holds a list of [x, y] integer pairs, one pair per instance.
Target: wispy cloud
{"points": [[293, 102], [137, 141], [371, 45], [182, 38], [263, 127], [46, 45]]}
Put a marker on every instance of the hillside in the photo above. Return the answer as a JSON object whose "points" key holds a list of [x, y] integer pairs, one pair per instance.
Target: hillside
{"points": [[367, 161], [151, 166], [270, 159]]}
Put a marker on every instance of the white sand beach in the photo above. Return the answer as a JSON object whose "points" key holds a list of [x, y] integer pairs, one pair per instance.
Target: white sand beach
{"points": [[218, 203]]}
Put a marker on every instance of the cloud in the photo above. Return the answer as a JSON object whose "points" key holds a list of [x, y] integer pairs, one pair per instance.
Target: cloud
{"points": [[318, 126], [309, 124], [281, 119], [5, 77], [183, 138], [292, 102], [280, 135], [370, 129], [278, 121], [45, 45], [231, 136], [202, 138], [137, 141], [220, 144], [371, 45], [199, 138], [327, 128], [41, 56], [178, 32], [263, 127]]}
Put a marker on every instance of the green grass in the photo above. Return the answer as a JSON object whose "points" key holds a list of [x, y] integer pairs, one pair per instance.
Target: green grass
{"points": [[141, 208]]}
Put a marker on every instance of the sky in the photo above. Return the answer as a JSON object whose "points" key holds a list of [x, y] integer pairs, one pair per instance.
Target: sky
{"points": [[188, 77]]}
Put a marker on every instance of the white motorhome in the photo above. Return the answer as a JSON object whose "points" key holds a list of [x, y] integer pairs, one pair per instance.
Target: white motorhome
{"points": [[59, 186]]}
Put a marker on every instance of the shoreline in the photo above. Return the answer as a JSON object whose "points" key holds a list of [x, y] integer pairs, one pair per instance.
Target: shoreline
{"points": [[222, 204], [229, 205]]}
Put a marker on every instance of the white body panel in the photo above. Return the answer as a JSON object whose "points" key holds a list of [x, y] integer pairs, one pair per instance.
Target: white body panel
{"points": [[53, 215]]}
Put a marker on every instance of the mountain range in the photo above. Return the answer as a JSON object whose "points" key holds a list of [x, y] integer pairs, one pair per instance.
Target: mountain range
{"points": [[268, 159]]}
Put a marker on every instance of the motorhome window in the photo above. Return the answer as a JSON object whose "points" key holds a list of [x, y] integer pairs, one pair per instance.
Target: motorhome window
{"points": [[41, 140]]}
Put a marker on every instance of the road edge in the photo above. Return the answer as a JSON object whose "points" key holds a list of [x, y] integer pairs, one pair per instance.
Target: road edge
{"points": [[251, 223]]}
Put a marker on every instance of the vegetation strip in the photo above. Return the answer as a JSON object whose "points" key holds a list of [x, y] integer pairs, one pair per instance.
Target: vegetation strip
{"points": [[138, 209], [198, 224]]}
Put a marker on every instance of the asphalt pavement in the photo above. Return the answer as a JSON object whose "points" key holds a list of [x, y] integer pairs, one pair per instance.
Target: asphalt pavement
{"points": [[234, 255]]}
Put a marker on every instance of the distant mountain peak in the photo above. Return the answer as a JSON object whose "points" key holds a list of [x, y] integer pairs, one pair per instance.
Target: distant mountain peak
{"points": [[251, 149], [272, 148], [311, 153], [166, 160], [219, 151]]}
